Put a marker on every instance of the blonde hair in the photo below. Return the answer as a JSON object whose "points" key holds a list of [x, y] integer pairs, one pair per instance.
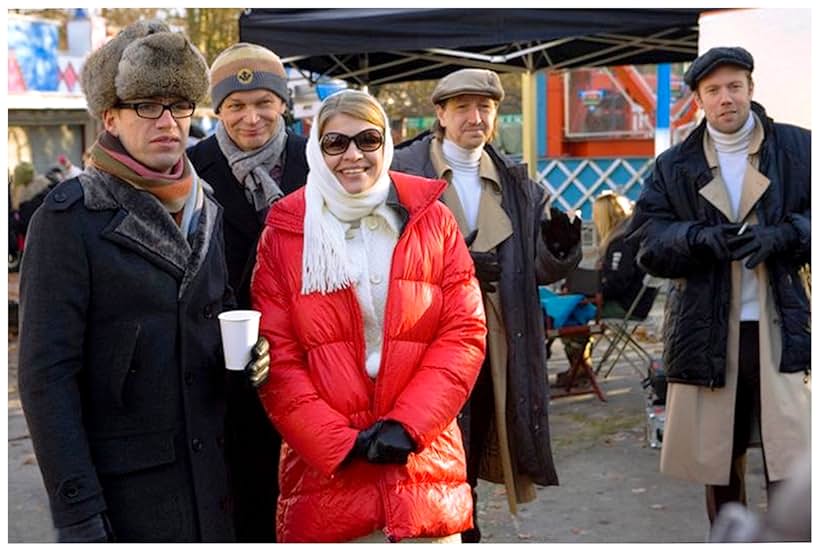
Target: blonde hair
{"points": [[354, 103], [608, 211]]}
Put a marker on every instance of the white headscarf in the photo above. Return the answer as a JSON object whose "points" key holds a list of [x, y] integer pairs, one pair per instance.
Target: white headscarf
{"points": [[328, 206]]}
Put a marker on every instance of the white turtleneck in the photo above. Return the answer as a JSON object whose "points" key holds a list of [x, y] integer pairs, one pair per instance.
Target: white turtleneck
{"points": [[466, 179], [733, 152]]}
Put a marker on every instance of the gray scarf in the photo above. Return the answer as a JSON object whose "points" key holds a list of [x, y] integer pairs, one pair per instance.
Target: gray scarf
{"points": [[252, 168]]}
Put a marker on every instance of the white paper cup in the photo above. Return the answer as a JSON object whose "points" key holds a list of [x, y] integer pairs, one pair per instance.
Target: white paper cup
{"points": [[240, 330]]}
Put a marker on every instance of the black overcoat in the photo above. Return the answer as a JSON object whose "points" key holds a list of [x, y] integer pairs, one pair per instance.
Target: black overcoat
{"points": [[121, 374]]}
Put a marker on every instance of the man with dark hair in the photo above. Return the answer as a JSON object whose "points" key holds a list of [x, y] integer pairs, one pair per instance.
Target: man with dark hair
{"points": [[121, 375], [726, 215], [516, 243], [251, 161]]}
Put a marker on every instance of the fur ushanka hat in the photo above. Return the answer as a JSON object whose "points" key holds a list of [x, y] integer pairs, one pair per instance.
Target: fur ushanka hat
{"points": [[145, 59]]}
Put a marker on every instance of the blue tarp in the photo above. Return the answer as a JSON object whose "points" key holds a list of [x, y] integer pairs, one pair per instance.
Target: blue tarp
{"points": [[565, 309]]}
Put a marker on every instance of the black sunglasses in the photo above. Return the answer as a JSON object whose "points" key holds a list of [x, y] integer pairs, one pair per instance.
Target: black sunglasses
{"points": [[334, 143]]}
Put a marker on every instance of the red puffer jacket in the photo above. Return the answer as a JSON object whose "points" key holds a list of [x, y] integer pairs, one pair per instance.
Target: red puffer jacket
{"points": [[319, 396]]}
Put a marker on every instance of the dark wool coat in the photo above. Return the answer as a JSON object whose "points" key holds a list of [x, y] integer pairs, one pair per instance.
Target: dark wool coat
{"points": [[522, 270], [252, 443], [121, 374]]}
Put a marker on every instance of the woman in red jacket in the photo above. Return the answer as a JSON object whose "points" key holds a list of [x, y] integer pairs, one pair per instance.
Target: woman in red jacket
{"points": [[376, 331]]}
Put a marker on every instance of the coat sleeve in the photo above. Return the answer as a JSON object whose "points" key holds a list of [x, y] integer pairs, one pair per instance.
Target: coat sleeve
{"points": [[664, 243], [450, 365], [54, 298], [321, 435]]}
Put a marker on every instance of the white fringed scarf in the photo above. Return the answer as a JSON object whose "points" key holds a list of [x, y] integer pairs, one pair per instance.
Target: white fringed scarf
{"points": [[325, 265]]}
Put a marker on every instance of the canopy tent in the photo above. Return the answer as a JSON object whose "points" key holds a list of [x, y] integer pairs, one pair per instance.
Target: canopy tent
{"points": [[377, 46]]}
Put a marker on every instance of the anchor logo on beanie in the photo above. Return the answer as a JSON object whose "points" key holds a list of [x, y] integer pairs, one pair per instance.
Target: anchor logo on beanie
{"points": [[245, 76]]}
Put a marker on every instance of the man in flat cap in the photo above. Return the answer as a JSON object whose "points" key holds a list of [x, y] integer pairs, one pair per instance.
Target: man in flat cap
{"points": [[516, 243], [121, 373], [726, 215], [251, 161]]}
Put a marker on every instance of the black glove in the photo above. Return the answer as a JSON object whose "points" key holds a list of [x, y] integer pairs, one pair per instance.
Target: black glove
{"points": [[97, 528], [363, 440], [257, 369], [713, 240], [760, 242], [487, 269], [559, 234], [391, 445]]}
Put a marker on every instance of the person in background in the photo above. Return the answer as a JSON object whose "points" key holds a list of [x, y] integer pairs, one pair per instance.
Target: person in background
{"points": [[516, 243], [621, 277], [121, 375], [251, 161], [69, 169], [726, 214], [377, 332]]}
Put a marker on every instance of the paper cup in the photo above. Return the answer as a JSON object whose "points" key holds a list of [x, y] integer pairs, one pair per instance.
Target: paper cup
{"points": [[240, 330]]}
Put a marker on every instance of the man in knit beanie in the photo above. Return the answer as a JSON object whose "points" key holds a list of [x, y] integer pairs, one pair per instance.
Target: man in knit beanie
{"points": [[121, 376], [726, 215], [516, 243], [251, 161]]}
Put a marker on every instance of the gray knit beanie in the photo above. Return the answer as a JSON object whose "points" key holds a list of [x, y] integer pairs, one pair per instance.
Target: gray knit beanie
{"points": [[145, 59]]}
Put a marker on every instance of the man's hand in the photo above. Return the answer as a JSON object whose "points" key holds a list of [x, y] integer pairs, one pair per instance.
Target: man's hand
{"points": [[760, 242], [487, 269], [97, 528], [713, 240], [559, 234], [259, 366]]}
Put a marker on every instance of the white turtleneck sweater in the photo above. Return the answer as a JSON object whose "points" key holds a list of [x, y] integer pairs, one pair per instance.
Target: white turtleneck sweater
{"points": [[733, 153], [465, 166]]}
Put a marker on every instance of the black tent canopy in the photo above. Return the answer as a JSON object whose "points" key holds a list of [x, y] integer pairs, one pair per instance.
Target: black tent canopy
{"points": [[378, 46]]}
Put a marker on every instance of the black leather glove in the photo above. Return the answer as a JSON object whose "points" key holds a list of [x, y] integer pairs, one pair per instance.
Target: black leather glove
{"points": [[559, 234], [391, 445], [363, 440], [97, 528], [487, 269], [258, 367], [760, 242], [713, 240]]}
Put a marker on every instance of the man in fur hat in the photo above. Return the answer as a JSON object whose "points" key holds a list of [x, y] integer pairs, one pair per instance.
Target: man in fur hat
{"points": [[121, 374], [251, 161]]}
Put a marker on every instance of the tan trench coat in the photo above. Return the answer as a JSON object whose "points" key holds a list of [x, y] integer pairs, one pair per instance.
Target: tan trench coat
{"points": [[697, 443], [496, 465]]}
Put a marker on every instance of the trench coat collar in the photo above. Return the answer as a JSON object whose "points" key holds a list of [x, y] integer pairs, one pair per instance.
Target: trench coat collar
{"points": [[493, 221], [145, 227], [754, 185]]}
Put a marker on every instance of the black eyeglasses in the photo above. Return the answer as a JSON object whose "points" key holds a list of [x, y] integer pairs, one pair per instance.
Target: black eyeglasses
{"points": [[334, 143], [154, 110]]}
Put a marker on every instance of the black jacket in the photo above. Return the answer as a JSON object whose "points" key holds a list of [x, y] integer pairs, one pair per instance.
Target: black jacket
{"points": [[242, 223], [252, 443], [696, 325], [621, 277], [524, 202], [121, 374]]}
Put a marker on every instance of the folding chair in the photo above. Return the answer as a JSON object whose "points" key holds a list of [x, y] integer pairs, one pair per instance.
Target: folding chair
{"points": [[583, 285], [621, 332]]}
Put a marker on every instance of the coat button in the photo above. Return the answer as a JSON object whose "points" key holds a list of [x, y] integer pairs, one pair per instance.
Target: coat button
{"points": [[197, 445], [375, 279], [518, 335], [189, 378], [59, 196], [208, 311], [71, 491], [372, 223]]}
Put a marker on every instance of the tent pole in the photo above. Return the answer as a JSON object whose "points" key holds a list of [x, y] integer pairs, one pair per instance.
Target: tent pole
{"points": [[529, 126]]}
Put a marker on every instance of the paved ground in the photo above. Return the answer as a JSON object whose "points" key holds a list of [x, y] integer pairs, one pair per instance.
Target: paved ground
{"points": [[610, 492]]}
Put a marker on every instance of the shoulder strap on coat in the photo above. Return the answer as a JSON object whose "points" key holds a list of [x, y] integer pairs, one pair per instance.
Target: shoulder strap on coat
{"points": [[64, 195]]}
